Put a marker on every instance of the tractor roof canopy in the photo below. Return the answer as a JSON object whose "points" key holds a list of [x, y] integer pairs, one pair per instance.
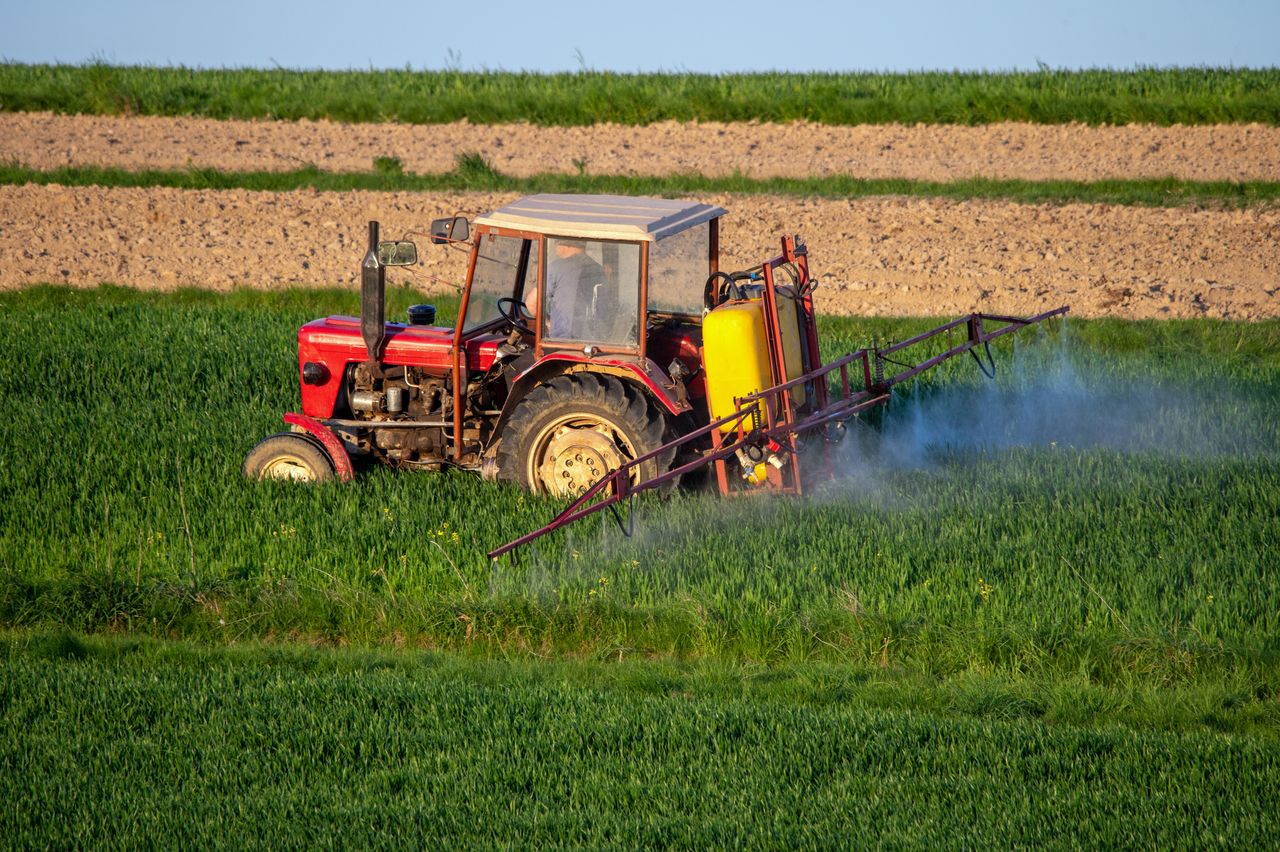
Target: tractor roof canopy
{"points": [[601, 217]]}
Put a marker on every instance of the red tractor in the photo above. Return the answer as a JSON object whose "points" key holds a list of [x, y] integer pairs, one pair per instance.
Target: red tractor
{"points": [[598, 351]]}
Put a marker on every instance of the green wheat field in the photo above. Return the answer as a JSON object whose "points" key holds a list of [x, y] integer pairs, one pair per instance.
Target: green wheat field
{"points": [[1146, 95], [1055, 591]]}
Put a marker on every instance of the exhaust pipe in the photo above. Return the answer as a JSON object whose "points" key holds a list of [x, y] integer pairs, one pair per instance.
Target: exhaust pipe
{"points": [[373, 326]]}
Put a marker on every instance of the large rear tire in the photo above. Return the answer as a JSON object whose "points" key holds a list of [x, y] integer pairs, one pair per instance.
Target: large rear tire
{"points": [[568, 433], [288, 456]]}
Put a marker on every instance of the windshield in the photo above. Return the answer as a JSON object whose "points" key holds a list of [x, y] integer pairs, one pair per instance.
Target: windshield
{"points": [[678, 270], [494, 278]]}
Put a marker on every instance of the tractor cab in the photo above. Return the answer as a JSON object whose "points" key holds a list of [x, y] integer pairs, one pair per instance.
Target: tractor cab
{"points": [[591, 274]]}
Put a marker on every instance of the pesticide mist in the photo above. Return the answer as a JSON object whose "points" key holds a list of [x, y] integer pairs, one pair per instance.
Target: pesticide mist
{"points": [[1061, 422], [1051, 397]]}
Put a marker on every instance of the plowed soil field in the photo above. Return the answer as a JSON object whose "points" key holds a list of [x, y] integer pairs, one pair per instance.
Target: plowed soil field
{"points": [[879, 256], [936, 153]]}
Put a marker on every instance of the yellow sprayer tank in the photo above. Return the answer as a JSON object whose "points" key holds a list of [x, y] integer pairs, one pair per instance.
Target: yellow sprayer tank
{"points": [[736, 353]]}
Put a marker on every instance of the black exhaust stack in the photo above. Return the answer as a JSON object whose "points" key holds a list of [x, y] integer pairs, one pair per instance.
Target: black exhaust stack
{"points": [[373, 326]]}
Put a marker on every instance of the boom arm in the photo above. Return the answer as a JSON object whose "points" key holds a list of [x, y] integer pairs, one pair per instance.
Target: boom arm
{"points": [[617, 486]]}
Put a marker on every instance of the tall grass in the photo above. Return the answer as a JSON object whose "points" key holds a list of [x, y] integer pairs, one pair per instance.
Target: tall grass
{"points": [[474, 174], [1145, 95], [1141, 562], [128, 744]]}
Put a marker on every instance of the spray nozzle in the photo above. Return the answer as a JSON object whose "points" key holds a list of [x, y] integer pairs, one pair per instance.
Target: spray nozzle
{"points": [[753, 469], [775, 457]]}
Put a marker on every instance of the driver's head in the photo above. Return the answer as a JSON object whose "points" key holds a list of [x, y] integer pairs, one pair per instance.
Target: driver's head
{"points": [[568, 248]]}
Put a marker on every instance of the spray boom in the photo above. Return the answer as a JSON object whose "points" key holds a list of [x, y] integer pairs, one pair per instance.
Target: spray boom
{"points": [[764, 430]]}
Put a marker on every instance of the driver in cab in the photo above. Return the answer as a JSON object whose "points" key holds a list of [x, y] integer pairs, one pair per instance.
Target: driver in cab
{"points": [[572, 279]]}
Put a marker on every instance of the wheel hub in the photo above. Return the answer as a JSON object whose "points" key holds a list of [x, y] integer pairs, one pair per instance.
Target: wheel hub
{"points": [[288, 467], [576, 459]]}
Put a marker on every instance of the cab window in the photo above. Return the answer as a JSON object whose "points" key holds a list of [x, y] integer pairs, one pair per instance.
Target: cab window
{"points": [[678, 270], [497, 264], [592, 292]]}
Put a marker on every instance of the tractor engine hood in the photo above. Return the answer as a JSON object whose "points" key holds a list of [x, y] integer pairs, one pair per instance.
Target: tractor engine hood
{"points": [[334, 342]]}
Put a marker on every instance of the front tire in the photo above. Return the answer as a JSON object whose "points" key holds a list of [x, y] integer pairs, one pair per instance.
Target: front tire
{"points": [[570, 432], [288, 456]]}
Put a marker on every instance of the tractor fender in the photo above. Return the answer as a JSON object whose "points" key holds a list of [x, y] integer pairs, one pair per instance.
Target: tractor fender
{"points": [[643, 373], [331, 443]]}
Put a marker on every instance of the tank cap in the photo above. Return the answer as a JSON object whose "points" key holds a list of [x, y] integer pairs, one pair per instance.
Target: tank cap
{"points": [[422, 314]]}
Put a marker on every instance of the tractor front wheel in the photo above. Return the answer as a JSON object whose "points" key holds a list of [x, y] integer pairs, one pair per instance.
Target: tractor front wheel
{"points": [[568, 433], [289, 456]]}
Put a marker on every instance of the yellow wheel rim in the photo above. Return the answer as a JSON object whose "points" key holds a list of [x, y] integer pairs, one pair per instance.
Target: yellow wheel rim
{"points": [[288, 468], [574, 453]]}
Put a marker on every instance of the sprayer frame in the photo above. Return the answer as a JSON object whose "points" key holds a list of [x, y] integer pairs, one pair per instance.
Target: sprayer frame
{"points": [[780, 418]]}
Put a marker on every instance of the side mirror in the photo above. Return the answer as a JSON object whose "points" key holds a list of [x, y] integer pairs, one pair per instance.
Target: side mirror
{"points": [[451, 229], [397, 253]]}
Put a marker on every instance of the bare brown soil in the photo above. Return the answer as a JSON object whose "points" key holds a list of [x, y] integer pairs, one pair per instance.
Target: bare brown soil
{"points": [[879, 256], [935, 153]]}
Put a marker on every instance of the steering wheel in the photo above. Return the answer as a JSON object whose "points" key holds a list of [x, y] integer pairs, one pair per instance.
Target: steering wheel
{"points": [[516, 313]]}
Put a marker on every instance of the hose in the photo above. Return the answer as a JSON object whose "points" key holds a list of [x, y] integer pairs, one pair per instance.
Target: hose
{"points": [[990, 359], [711, 293]]}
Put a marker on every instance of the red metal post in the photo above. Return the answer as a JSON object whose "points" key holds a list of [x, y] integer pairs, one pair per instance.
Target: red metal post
{"points": [[644, 297], [459, 371]]}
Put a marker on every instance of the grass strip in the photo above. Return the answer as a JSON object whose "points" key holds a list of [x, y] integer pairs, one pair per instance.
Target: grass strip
{"points": [[966, 695], [473, 173], [121, 742], [1145, 95]]}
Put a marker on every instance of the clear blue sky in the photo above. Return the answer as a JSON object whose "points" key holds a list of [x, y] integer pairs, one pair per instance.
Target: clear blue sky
{"points": [[655, 36]]}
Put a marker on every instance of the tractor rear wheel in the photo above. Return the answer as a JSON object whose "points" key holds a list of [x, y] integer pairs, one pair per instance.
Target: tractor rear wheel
{"points": [[289, 456], [568, 433]]}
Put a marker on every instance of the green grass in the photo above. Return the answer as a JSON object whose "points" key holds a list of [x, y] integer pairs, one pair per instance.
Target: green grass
{"points": [[1144, 95], [1138, 564], [473, 173], [127, 743]]}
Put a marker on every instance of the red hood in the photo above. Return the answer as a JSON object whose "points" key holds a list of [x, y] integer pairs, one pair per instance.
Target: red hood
{"points": [[335, 342]]}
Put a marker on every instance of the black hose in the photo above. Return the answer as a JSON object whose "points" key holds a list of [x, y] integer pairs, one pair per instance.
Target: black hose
{"points": [[990, 359], [711, 294]]}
